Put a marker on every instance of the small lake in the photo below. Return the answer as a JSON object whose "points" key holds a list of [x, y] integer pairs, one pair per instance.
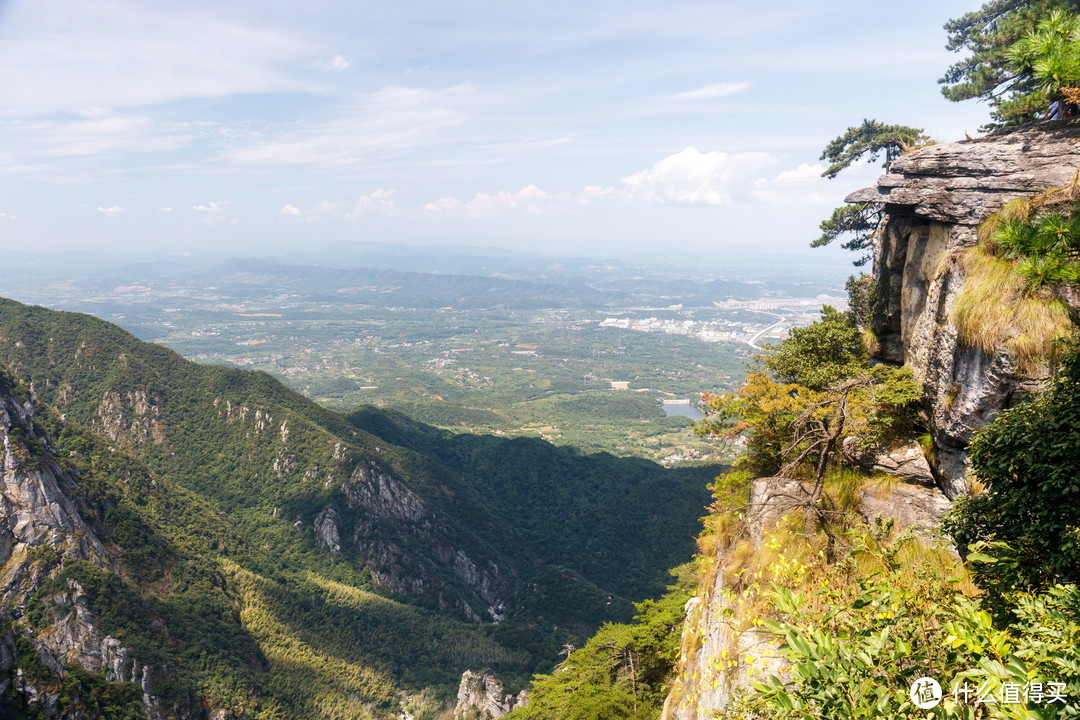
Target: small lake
{"points": [[682, 408]]}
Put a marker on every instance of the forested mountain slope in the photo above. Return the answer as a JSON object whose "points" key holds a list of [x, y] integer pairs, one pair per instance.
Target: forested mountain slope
{"points": [[219, 493]]}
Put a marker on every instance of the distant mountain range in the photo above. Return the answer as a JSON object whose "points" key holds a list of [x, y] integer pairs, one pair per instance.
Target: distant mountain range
{"points": [[420, 277], [395, 287]]}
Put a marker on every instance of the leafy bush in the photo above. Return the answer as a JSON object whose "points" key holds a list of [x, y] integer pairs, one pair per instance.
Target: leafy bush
{"points": [[819, 355], [858, 657], [1027, 459], [823, 389]]}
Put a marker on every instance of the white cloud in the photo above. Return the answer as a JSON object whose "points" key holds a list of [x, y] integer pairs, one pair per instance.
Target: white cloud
{"points": [[691, 177], [290, 210], [378, 124], [802, 186], [59, 149], [379, 201], [715, 90], [215, 213], [65, 57], [530, 200], [111, 211], [335, 64], [98, 133], [688, 177], [6, 216], [165, 209], [93, 111]]}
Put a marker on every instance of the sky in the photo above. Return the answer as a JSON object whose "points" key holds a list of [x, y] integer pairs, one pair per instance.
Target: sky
{"points": [[580, 127]]}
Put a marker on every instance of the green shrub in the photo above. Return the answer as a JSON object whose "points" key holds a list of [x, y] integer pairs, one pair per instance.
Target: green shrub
{"points": [[1027, 460]]}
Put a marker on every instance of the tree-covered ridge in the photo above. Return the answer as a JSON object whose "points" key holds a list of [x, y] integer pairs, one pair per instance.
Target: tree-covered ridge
{"points": [[612, 519], [230, 520], [263, 454], [622, 671], [215, 618]]}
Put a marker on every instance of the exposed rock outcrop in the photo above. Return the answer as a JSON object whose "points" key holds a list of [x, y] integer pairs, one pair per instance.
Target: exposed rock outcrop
{"points": [[130, 417], [327, 535], [481, 696], [907, 462], [408, 542], [40, 527], [934, 199], [917, 507], [721, 652], [35, 511], [961, 183]]}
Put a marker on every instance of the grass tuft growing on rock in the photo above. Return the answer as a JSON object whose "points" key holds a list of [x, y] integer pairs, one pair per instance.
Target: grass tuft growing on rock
{"points": [[996, 309]]}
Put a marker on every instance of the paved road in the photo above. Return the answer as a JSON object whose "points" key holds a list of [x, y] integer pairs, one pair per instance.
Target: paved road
{"points": [[752, 342]]}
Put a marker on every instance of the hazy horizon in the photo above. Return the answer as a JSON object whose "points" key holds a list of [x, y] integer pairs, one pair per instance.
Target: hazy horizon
{"points": [[577, 129]]}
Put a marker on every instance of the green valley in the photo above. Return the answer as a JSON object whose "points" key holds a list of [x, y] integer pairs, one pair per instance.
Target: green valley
{"points": [[255, 550], [532, 356]]}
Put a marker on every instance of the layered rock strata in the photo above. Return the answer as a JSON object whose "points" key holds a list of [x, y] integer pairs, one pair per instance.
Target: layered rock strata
{"points": [[934, 200]]}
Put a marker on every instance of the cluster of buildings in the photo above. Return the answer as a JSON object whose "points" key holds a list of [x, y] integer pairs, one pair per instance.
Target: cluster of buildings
{"points": [[773, 317], [716, 330]]}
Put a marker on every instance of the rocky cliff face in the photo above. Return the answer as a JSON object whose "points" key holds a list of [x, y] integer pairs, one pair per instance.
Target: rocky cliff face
{"points": [[40, 530], [934, 200], [392, 518], [721, 653], [409, 546], [481, 696]]}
